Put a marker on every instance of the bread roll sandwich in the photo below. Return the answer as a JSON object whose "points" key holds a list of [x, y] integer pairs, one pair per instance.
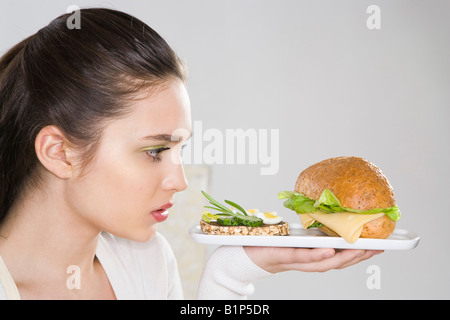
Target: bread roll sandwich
{"points": [[348, 197]]}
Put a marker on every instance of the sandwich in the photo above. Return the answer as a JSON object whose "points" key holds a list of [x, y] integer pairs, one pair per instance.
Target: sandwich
{"points": [[347, 197], [236, 221]]}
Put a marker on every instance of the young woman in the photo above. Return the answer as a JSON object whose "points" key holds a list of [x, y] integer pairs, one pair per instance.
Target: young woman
{"points": [[92, 122]]}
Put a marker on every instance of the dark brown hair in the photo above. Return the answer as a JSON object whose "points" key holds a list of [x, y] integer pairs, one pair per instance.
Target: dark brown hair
{"points": [[74, 79]]}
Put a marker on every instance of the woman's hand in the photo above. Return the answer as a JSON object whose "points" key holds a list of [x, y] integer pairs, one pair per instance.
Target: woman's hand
{"points": [[275, 259]]}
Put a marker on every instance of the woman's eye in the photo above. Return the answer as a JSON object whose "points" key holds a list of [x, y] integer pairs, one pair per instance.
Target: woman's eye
{"points": [[154, 153]]}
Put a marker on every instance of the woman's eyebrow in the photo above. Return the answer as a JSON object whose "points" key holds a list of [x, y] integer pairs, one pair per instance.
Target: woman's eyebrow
{"points": [[165, 137]]}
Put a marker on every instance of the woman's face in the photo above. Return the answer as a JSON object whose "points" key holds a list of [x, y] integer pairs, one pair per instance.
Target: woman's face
{"points": [[137, 169]]}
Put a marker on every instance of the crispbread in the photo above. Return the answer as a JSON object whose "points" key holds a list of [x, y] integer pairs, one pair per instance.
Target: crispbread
{"points": [[212, 228]]}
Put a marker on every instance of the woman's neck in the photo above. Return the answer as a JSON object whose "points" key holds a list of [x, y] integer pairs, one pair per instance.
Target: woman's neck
{"points": [[43, 243]]}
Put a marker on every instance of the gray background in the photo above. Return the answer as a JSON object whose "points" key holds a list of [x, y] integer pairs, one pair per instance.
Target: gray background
{"points": [[313, 70]]}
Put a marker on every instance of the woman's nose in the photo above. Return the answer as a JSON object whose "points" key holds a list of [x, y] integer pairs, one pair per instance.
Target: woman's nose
{"points": [[175, 180]]}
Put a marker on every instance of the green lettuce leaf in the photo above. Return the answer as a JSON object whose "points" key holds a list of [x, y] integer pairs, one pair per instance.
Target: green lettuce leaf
{"points": [[297, 202], [328, 203]]}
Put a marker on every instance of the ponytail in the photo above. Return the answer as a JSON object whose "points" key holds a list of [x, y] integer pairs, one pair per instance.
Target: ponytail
{"points": [[14, 150]]}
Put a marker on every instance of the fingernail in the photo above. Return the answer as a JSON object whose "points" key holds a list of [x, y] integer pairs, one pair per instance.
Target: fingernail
{"points": [[361, 253], [328, 254]]}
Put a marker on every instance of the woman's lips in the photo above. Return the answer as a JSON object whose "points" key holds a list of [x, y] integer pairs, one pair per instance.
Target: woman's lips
{"points": [[161, 214]]}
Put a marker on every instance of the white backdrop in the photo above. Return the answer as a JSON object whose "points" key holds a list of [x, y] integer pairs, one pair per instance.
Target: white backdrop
{"points": [[331, 86]]}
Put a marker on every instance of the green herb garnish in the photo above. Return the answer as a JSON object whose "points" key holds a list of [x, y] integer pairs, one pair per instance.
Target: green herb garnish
{"points": [[228, 217]]}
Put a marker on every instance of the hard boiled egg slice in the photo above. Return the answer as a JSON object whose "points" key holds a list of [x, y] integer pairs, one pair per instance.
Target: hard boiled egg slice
{"points": [[269, 217], [252, 212]]}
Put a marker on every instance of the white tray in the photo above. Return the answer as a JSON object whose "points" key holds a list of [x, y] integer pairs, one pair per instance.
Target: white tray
{"points": [[399, 240]]}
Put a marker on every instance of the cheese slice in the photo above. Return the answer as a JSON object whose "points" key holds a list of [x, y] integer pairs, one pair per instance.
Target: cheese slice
{"points": [[346, 224]]}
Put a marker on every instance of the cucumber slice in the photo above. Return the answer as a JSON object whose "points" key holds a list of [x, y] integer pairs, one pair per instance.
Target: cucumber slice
{"points": [[239, 220], [227, 221], [249, 221]]}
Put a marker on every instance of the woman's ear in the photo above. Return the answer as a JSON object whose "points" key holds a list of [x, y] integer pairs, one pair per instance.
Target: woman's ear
{"points": [[52, 150]]}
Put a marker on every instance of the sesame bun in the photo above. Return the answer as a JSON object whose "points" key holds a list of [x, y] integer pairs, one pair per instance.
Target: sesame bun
{"points": [[357, 183]]}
